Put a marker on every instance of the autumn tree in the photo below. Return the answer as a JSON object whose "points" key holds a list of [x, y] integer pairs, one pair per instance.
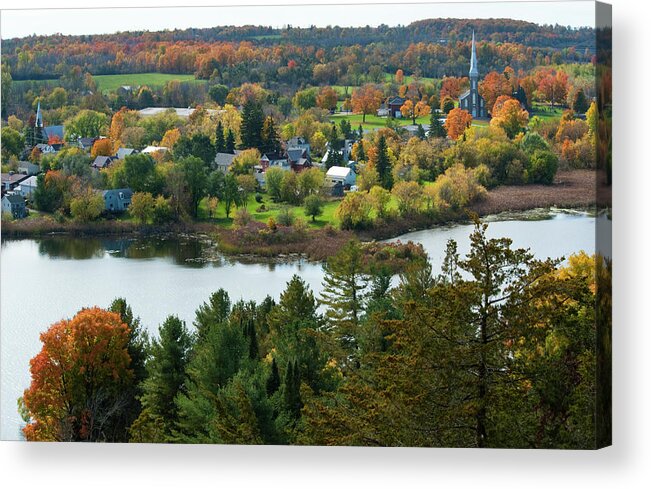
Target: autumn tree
{"points": [[78, 379], [457, 122], [400, 76], [492, 86], [412, 111], [87, 205], [409, 196], [142, 207], [510, 116], [86, 124], [367, 100], [553, 85], [102, 147], [354, 211], [327, 98]]}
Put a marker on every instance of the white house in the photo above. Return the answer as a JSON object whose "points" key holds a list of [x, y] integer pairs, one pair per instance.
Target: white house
{"points": [[154, 149], [27, 187], [340, 174]]}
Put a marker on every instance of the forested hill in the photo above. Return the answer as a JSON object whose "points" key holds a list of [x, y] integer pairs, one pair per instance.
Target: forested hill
{"points": [[433, 47]]}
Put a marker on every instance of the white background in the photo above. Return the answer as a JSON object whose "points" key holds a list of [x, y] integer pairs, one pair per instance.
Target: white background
{"points": [[627, 464]]}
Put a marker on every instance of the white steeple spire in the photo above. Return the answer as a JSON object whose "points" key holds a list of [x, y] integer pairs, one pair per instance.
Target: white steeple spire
{"points": [[474, 71], [39, 116]]}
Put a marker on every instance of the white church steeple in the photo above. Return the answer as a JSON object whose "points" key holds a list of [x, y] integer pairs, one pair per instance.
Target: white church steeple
{"points": [[474, 70]]}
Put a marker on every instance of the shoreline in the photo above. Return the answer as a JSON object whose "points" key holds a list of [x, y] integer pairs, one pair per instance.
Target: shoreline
{"points": [[576, 189]]}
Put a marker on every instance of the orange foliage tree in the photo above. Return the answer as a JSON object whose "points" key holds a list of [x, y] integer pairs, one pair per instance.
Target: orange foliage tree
{"points": [[510, 116], [553, 85], [78, 378], [494, 85], [411, 110], [451, 87], [366, 99], [457, 122], [400, 76], [117, 126], [327, 98], [102, 147]]}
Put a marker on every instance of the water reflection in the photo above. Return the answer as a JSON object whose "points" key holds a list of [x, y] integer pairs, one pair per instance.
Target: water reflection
{"points": [[190, 252]]}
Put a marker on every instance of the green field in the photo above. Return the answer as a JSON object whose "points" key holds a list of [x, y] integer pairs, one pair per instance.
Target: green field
{"points": [[112, 82], [373, 121]]}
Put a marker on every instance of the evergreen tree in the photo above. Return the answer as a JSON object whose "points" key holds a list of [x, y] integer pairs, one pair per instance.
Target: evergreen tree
{"points": [[292, 391], [346, 129], [273, 381], [361, 155], [436, 129], [270, 138], [344, 286], [360, 132], [215, 311], [220, 141], [580, 103], [383, 165], [166, 374], [335, 157], [252, 124], [230, 142], [251, 335], [420, 133]]}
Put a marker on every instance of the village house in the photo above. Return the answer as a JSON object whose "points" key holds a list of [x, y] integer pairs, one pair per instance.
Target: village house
{"points": [[45, 148], [340, 174], [298, 159], [28, 168], [124, 152], [223, 161], [276, 160], [154, 149], [27, 187], [393, 106], [298, 143], [86, 143], [117, 200], [14, 204], [11, 180], [102, 162]]}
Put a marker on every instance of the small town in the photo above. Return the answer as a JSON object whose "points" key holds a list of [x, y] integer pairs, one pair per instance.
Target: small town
{"points": [[308, 235]]}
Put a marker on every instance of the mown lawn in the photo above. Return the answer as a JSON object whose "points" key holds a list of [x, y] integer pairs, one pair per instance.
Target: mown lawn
{"points": [[272, 209], [545, 112], [373, 121]]}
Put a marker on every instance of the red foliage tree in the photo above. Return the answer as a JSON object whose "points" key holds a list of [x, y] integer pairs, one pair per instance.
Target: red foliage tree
{"points": [[78, 378]]}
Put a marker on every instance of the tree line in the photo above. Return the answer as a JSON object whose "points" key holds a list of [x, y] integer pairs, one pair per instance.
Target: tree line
{"points": [[496, 350]]}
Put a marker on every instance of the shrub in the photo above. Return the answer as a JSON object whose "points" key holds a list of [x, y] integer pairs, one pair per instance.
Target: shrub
{"points": [[542, 167], [242, 217], [162, 212], [285, 217], [354, 212]]}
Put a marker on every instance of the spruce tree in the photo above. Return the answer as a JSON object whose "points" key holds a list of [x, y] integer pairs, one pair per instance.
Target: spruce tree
{"points": [[166, 372], [220, 141], [273, 381], [361, 155], [420, 132], [252, 123], [270, 138], [383, 165], [230, 142], [335, 157], [360, 132], [436, 129]]}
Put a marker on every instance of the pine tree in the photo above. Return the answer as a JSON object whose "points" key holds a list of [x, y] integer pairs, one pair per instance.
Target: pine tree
{"points": [[230, 142], [273, 381], [360, 132], [361, 155], [436, 129], [421, 132], [343, 294], [166, 373], [215, 311], [335, 157], [252, 123], [220, 142], [383, 165], [270, 138]]}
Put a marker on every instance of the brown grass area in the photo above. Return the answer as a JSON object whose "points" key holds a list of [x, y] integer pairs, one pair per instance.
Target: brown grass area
{"points": [[571, 188]]}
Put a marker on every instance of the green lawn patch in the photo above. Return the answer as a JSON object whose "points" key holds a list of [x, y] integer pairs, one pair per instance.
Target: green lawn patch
{"points": [[112, 82]]}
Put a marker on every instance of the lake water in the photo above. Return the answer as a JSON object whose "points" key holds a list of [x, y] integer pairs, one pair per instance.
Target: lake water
{"points": [[45, 280]]}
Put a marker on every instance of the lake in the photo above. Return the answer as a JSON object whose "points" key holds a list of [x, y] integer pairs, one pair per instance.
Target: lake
{"points": [[45, 280]]}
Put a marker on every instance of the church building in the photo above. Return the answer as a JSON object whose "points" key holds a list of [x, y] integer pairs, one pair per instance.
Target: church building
{"points": [[471, 100]]}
